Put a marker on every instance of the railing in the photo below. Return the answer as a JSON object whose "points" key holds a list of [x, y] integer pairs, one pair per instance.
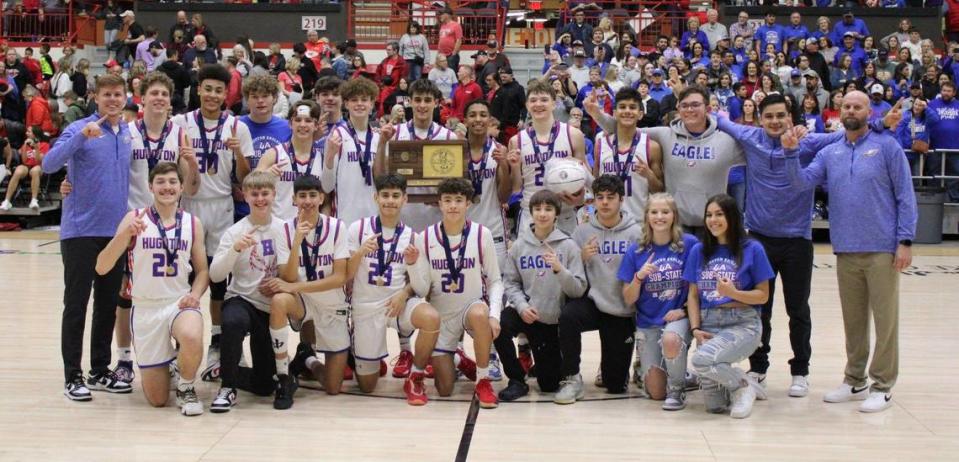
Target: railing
{"points": [[377, 22], [925, 177], [647, 19], [22, 26]]}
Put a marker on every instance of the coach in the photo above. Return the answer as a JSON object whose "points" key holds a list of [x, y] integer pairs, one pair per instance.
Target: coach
{"points": [[96, 151]]}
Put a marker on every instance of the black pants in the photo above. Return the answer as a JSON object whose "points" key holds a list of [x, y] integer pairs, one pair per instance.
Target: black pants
{"points": [[791, 258], [543, 342], [79, 277], [454, 60], [240, 318], [615, 336]]}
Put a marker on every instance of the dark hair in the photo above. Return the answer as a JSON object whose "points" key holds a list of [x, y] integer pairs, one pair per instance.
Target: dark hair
{"points": [[693, 90], [307, 183], [948, 84], [171, 52], [628, 93], [419, 28], [773, 98], [328, 83], [609, 183], [426, 86], [213, 72], [299, 48], [735, 232], [165, 167], [545, 196], [455, 186], [481, 102], [390, 181]]}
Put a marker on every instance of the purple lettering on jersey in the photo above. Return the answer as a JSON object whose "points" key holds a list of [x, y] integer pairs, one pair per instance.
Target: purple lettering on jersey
{"points": [[267, 247], [165, 156], [468, 263]]}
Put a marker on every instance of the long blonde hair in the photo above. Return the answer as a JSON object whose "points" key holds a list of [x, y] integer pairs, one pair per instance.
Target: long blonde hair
{"points": [[676, 231]]}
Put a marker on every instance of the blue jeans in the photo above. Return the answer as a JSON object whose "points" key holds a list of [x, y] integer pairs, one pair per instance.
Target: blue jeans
{"points": [[649, 349], [415, 71], [736, 335]]}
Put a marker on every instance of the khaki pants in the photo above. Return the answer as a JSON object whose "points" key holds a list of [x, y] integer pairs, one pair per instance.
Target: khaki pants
{"points": [[868, 284]]}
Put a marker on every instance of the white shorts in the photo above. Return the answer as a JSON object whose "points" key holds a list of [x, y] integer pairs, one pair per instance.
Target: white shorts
{"points": [[216, 216], [452, 327], [331, 325], [369, 328], [152, 328]]}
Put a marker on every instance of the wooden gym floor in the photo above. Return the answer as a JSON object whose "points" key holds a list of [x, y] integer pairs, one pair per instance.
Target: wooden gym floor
{"points": [[38, 423]]}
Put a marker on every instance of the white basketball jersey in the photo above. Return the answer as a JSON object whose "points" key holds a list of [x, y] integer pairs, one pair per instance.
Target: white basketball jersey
{"points": [[324, 246], [354, 190], [533, 158], [155, 275], [146, 152], [447, 294], [216, 166], [616, 162], [419, 216], [488, 212], [292, 168], [365, 289]]}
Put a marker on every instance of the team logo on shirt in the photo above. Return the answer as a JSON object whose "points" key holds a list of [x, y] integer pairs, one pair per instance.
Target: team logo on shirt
{"points": [[667, 282], [871, 152]]}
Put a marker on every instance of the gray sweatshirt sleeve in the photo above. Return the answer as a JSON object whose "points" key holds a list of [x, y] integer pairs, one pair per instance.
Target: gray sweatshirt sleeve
{"points": [[573, 277], [513, 281]]}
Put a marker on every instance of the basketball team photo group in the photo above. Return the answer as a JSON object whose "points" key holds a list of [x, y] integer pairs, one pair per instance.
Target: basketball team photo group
{"points": [[464, 230]]}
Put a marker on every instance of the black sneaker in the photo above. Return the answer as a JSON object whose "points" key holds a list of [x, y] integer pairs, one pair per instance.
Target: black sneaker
{"points": [[513, 391], [285, 387], [76, 389], [124, 371], [298, 364], [109, 382], [225, 399]]}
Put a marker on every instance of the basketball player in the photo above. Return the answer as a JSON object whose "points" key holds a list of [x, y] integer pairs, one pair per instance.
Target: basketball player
{"points": [[604, 238], [381, 288], [544, 140], [455, 272], [164, 244], [250, 250], [631, 155], [224, 145], [348, 154], [310, 288], [544, 268], [290, 160]]}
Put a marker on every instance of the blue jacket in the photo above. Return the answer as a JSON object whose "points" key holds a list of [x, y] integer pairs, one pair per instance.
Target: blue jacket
{"points": [[769, 34], [775, 208], [912, 128], [660, 92], [942, 121], [99, 170], [840, 28], [858, 56], [700, 37], [794, 32], [872, 205]]}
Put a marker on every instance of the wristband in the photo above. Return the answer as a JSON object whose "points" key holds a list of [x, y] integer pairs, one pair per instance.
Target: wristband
{"points": [[694, 329]]}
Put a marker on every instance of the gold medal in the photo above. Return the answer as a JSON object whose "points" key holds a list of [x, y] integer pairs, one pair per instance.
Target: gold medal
{"points": [[380, 280], [454, 286], [476, 199], [170, 271]]}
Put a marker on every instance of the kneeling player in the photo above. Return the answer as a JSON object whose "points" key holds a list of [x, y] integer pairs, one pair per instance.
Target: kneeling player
{"points": [[310, 288], [543, 269], [381, 289], [458, 274], [164, 245]]}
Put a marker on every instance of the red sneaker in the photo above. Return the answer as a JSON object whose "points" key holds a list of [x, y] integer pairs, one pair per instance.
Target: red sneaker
{"points": [[485, 394], [429, 369], [466, 365], [526, 360], [347, 373], [383, 368], [415, 391], [403, 364]]}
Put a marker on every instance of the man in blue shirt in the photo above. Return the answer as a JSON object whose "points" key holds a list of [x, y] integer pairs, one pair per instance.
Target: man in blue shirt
{"points": [[770, 32], [795, 30], [872, 242], [852, 24], [850, 47], [657, 89], [942, 121], [878, 105], [96, 151]]}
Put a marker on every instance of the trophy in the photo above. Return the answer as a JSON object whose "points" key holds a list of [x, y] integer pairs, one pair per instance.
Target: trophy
{"points": [[425, 163]]}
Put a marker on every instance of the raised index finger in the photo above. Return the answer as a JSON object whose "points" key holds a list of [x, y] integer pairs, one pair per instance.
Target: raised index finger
{"points": [[898, 104], [102, 119]]}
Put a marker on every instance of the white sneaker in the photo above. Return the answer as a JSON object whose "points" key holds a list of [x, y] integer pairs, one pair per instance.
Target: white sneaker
{"points": [[743, 399], [599, 378], [758, 382], [3, 172], [34, 204], [6, 206], [212, 371], [800, 386], [876, 402], [190, 405], [570, 390], [846, 392]]}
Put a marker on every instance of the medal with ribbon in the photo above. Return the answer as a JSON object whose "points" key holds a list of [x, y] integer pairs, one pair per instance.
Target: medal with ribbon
{"points": [[365, 158], [290, 151], [153, 155], [384, 258], [310, 261], [553, 134], [455, 267], [622, 169], [476, 174], [429, 132], [210, 157], [171, 255]]}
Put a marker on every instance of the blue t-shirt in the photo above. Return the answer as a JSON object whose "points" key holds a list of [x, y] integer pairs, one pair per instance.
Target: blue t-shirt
{"points": [[754, 269], [265, 136], [663, 290]]}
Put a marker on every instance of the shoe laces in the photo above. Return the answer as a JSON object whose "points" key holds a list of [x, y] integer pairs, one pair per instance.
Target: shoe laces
{"points": [[189, 396], [224, 393], [77, 380]]}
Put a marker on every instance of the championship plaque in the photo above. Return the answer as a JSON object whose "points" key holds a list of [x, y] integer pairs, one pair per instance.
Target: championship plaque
{"points": [[426, 163]]}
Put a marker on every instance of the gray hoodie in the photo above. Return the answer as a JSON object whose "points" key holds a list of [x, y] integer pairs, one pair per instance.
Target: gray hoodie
{"points": [[530, 282], [605, 288]]}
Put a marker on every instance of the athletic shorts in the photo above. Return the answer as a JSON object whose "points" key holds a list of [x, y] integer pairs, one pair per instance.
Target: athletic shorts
{"points": [[216, 216], [152, 328], [331, 325], [649, 342], [369, 328], [452, 327]]}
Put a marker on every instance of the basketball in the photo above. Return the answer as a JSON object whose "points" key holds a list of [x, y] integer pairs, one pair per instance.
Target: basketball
{"points": [[565, 176]]}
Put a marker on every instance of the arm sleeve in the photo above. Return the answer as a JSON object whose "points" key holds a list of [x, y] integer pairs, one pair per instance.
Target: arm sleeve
{"points": [[341, 248], [494, 280], [246, 140], [328, 175], [627, 268], [811, 176], [815, 142], [419, 272], [513, 282], [901, 178], [225, 258], [67, 144], [573, 278], [692, 264]]}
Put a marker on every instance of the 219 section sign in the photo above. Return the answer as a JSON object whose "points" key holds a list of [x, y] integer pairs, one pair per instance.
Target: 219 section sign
{"points": [[313, 22]]}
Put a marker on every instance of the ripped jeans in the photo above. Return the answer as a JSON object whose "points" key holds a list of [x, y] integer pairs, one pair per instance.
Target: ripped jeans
{"points": [[649, 349], [736, 333]]}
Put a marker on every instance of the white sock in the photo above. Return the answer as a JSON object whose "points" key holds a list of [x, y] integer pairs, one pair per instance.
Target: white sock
{"points": [[123, 354], [184, 384], [459, 345], [417, 369], [279, 337], [482, 373], [216, 330], [522, 340], [405, 344], [310, 361], [283, 365]]}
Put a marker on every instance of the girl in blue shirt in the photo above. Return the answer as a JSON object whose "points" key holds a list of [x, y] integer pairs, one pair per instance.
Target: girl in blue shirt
{"points": [[652, 276], [728, 276]]}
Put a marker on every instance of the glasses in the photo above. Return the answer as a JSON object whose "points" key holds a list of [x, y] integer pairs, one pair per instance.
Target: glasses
{"points": [[690, 106]]}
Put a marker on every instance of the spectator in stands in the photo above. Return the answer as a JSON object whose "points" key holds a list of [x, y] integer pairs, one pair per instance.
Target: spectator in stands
{"points": [[714, 30], [827, 49], [852, 24], [743, 28], [61, 83], [768, 33], [181, 79], [361, 68], [316, 48], [817, 62], [901, 35], [234, 90], [913, 135], [291, 83], [822, 28], [851, 47], [579, 71], [308, 72], [276, 60], [692, 35], [467, 91], [498, 59], [340, 63], [450, 37], [393, 66], [199, 54], [38, 111], [442, 75], [143, 48], [415, 50], [482, 67], [14, 132], [813, 87], [658, 89], [110, 14], [35, 147], [32, 66], [75, 110], [47, 67], [579, 29], [243, 64], [400, 96], [202, 28], [80, 77], [183, 27], [795, 30], [127, 47], [509, 105]]}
